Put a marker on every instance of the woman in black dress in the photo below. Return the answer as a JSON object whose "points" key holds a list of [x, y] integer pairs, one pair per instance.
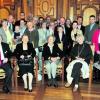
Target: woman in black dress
{"points": [[24, 51]]}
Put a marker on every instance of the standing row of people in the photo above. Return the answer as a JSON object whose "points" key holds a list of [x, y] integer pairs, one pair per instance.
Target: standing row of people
{"points": [[37, 33]]}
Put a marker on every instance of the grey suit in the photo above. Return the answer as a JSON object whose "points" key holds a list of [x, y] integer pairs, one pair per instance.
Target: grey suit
{"points": [[3, 35], [89, 33]]}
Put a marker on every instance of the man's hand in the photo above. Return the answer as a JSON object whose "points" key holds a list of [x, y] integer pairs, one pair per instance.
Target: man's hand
{"points": [[22, 56]]}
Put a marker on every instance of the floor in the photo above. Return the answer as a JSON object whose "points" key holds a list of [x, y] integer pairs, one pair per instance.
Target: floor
{"points": [[43, 92]]}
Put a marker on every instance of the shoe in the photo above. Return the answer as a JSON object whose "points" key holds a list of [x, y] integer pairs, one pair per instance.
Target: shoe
{"points": [[55, 84], [75, 89], [6, 90], [25, 89], [30, 90], [50, 82], [67, 85]]}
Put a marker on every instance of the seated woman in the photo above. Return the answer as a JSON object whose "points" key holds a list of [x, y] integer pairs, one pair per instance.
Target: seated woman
{"points": [[25, 50], [52, 55], [81, 54]]}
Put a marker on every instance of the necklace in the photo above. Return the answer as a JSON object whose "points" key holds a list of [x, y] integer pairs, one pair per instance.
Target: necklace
{"points": [[80, 51]]}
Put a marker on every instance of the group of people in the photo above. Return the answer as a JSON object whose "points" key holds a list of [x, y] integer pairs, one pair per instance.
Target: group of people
{"points": [[52, 40]]}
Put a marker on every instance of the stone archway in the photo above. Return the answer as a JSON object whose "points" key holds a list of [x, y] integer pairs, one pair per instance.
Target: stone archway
{"points": [[87, 11]]}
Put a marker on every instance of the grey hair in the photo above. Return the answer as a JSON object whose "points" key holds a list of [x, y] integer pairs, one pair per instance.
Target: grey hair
{"points": [[51, 36]]}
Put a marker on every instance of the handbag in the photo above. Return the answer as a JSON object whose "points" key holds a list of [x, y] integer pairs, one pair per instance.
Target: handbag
{"points": [[26, 61]]}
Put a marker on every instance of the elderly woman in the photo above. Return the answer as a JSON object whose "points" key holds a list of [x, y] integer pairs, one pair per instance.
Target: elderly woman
{"points": [[52, 55], [24, 51], [81, 54]]}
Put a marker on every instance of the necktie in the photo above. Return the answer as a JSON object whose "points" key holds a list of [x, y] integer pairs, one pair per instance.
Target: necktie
{"points": [[91, 26]]}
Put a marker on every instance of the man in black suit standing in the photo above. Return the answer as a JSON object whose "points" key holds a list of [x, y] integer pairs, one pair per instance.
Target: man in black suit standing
{"points": [[80, 24], [89, 30], [5, 54]]}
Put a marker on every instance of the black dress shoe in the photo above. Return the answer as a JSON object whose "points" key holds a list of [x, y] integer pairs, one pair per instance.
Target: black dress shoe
{"points": [[55, 84], [6, 90], [30, 90], [49, 82], [25, 89]]}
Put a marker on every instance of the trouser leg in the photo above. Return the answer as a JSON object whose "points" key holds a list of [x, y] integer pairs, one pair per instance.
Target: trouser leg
{"points": [[48, 67], [8, 78], [76, 72]]}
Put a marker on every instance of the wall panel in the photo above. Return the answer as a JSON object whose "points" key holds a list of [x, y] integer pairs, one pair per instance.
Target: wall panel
{"points": [[45, 7]]}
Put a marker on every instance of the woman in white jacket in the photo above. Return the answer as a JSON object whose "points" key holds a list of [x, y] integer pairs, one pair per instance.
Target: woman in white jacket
{"points": [[81, 54]]}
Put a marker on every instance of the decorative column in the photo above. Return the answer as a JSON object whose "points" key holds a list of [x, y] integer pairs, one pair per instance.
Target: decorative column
{"points": [[65, 8]]}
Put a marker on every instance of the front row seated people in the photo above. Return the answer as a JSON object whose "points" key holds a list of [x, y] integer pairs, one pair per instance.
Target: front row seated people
{"points": [[80, 55], [52, 55], [25, 53], [5, 55]]}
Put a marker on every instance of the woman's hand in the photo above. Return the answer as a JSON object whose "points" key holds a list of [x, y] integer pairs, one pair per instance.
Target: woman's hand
{"points": [[98, 52], [28, 56], [78, 58], [5, 60], [22, 56]]}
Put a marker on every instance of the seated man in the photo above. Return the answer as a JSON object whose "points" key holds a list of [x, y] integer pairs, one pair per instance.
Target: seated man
{"points": [[5, 54], [52, 55], [81, 54]]}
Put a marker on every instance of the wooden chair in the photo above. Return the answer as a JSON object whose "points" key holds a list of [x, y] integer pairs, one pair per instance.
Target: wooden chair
{"points": [[16, 69], [59, 71], [91, 67], [3, 74]]}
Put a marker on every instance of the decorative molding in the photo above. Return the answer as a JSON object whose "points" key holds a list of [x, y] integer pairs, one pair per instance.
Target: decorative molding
{"points": [[45, 7]]}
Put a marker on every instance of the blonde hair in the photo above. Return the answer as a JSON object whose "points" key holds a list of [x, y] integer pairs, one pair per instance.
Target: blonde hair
{"points": [[51, 36], [80, 35]]}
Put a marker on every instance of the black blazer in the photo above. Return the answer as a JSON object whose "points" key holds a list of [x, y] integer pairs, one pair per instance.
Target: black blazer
{"points": [[55, 53], [84, 50], [83, 29], [6, 50], [19, 50]]}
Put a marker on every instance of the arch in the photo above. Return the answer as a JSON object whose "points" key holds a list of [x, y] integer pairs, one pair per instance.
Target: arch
{"points": [[87, 11]]}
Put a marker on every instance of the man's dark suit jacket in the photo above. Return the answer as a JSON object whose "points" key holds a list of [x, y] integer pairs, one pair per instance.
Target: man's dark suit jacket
{"points": [[6, 50]]}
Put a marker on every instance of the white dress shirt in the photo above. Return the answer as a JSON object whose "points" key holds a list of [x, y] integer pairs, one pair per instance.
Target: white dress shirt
{"points": [[1, 51]]}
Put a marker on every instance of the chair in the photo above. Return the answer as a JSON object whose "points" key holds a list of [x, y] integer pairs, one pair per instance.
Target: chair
{"points": [[3, 74], [16, 69], [59, 71], [90, 67]]}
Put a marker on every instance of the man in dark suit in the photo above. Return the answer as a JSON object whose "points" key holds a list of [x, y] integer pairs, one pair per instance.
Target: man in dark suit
{"points": [[89, 30], [10, 23], [80, 24], [5, 54]]}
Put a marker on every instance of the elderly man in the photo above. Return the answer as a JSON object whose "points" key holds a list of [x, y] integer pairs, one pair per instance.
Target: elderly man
{"points": [[5, 54]]}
